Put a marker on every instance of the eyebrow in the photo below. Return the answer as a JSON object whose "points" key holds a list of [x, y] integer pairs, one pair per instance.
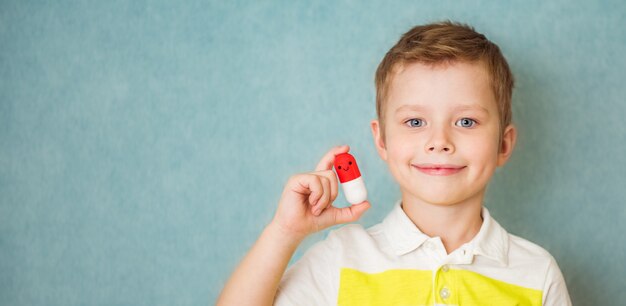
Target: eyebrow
{"points": [[410, 107], [471, 107], [458, 108]]}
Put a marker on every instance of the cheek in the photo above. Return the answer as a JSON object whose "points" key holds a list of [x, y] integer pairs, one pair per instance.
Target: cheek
{"points": [[400, 148], [482, 151]]}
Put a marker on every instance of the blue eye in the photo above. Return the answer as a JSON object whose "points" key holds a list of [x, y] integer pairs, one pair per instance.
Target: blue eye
{"points": [[466, 122], [415, 122]]}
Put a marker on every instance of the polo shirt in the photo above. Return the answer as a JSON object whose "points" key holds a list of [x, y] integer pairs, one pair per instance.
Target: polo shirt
{"points": [[394, 263]]}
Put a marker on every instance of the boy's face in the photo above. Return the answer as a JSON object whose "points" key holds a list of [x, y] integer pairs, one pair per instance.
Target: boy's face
{"points": [[442, 132]]}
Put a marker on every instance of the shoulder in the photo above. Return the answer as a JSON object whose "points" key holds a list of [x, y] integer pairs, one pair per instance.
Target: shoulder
{"points": [[517, 251], [343, 239], [524, 249], [353, 231], [314, 278], [531, 256], [356, 235]]}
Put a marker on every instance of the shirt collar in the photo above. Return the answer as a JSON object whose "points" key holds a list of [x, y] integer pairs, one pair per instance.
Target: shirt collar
{"points": [[492, 240]]}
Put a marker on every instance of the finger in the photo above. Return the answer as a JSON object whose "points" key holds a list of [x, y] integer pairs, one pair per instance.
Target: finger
{"points": [[350, 214], [326, 163], [325, 199], [334, 183], [308, 184]]}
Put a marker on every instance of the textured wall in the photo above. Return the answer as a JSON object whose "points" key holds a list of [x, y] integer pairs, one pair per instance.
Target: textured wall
{"points": [[144, 144]]}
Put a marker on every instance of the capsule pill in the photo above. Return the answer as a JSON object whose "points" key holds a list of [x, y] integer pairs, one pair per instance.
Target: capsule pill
{"points": [[350, 178]]}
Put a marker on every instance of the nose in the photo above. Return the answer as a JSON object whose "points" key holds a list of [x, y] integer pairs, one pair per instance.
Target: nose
{"points": [[439, 142]]}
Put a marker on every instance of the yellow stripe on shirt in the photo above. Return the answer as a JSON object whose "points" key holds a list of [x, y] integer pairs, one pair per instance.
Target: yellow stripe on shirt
{"points": [[392, 287], [415, 287]]}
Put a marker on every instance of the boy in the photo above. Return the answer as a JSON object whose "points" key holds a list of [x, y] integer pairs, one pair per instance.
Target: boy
{"points": [[443, 101]]}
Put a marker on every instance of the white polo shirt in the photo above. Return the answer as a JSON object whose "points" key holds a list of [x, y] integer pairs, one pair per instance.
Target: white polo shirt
{"points": [[393, 263]]}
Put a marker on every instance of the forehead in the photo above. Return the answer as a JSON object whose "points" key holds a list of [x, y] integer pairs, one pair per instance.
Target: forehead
{"points": [[449, 85]]}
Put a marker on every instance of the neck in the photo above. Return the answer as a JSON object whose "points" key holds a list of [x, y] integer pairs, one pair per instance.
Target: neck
{"points": [[456, 224]]}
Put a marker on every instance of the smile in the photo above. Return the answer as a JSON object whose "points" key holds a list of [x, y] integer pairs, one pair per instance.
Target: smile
{"points": [[439, 170]]}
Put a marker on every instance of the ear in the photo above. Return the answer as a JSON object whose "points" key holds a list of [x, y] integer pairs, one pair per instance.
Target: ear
{"points": [[378, 141], [507, 144]]}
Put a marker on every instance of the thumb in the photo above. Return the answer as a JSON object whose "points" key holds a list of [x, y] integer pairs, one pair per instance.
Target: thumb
{"points": [[352, 213]]}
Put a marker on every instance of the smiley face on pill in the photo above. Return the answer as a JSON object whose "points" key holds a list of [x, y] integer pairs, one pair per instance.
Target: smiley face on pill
{"points": [[350, 177], [346, 167]]}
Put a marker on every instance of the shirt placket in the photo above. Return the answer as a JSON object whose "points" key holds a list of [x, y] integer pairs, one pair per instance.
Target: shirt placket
{"points": [[445, 282], [445, 286]]}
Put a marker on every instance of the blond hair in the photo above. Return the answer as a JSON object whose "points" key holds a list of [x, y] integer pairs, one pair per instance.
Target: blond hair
{"points": [[443, 43]]}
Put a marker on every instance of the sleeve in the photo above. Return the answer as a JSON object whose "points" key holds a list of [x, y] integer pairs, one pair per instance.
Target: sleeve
{"points": [[555, 289], [312, 279]]}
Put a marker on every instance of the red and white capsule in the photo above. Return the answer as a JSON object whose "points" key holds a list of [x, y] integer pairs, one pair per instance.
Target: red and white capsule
{"points": [[350, 178]]}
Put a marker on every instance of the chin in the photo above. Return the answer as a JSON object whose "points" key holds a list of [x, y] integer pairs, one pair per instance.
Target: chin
{"points": [[439, 198], [440, 201]]}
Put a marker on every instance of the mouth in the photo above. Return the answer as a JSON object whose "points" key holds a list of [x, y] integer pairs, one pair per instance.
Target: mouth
{"points": [[439, 169]]}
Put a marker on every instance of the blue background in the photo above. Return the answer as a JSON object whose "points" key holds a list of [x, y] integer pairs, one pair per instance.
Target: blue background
{"points": [[144, 144]]}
